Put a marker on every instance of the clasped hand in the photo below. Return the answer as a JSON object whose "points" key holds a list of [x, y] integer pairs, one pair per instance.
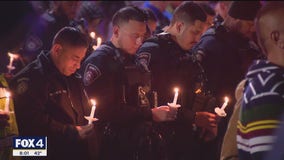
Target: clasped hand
{"points": [[164, 113]]}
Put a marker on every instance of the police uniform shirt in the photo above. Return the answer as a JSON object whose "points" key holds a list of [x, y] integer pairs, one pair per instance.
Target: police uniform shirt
{"points": [[104, 77], [48, 103], [226, 57], [170, 67]]}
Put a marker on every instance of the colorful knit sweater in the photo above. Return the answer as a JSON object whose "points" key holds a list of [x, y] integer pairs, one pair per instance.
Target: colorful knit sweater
{"points": [[262, 106]]}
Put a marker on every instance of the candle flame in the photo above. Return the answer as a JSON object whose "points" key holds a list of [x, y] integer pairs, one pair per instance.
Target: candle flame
{"points": [[226, 99], [176, 89], [13, 56], [93, 35], [198, 91], [93, 102]]}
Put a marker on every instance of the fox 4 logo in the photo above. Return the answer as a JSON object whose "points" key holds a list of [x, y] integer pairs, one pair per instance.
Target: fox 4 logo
{"points": [[29, 142]]}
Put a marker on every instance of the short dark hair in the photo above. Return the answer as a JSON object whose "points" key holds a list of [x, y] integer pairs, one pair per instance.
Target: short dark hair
{"points": [[207, 9], [89, 10], [71, 36], [129, 13], [188, 12], [151, 15]]}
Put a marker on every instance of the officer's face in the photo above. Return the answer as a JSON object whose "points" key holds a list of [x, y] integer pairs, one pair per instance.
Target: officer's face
{"points": [[190, 34], [68, 59], [247, 28], [131, 35]]}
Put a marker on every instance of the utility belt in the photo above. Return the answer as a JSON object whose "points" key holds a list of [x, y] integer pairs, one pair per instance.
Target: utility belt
{"points": [[6, 141]]}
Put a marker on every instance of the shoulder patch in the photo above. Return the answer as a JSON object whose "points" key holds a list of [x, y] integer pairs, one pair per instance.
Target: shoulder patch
{"points": [[33, 43], [144, 56], [143, 60], [23, 85], [91, 73]]}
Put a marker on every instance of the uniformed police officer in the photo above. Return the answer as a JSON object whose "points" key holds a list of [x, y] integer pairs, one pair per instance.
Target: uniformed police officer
{"points": [[166, 57], [13, 30], [50, 99], [124, 108], [225, 51], [61, 14]]}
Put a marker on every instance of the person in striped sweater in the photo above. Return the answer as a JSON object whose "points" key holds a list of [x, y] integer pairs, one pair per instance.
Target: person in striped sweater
{"points": [[263, 99]]}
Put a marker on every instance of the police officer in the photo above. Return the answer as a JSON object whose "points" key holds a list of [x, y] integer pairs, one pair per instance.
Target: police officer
{"points": [[61, 14], [124, 108], [225, 51], [14, 29], [166, 57], [51, 101]]}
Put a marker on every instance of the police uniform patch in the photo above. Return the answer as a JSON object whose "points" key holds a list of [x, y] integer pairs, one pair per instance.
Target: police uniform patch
{"points": [[143, 59], [91, 73], [22, 86], [33, 43]]}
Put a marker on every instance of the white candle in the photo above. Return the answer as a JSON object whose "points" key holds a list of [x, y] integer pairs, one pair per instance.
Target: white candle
{"points": [[225, 103], [12, 57], [99, 41], [6, 109], [176, 96], [92, 111]]}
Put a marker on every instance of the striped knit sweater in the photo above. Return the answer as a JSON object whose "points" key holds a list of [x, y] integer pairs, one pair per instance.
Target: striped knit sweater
{"points": [[262, 106]]}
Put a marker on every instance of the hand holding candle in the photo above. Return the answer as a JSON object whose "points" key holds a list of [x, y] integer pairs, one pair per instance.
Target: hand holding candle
{"points": [[221, 111]]}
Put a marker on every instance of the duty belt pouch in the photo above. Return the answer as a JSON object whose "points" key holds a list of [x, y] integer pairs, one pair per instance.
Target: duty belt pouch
{"points": [[138, 89]]}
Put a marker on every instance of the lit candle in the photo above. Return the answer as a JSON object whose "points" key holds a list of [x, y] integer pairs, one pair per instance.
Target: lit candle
{"points": [[225, 103], [176, 96], [99, 41], [6, 109], [92, 111], [93, 35], [12, 57]]}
